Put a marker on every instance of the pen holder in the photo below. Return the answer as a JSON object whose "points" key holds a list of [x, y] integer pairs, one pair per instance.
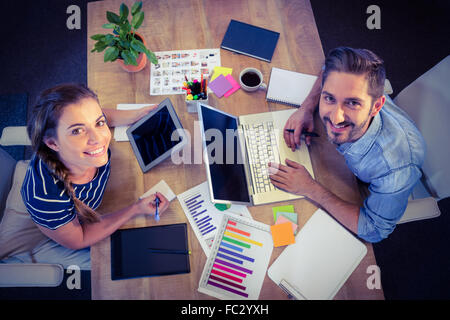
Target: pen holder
{"points": [[192, 105]]}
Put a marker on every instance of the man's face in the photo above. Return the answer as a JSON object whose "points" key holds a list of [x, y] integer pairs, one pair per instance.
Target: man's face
{"points": [[345, 106]]}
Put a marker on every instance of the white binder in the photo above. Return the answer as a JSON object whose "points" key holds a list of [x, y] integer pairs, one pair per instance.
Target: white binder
{"points": [[323, 257]]}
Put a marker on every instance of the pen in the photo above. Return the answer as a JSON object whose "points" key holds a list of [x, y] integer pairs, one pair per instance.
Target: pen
{"points": [[305, 133], [168, 251], [157, 201]]}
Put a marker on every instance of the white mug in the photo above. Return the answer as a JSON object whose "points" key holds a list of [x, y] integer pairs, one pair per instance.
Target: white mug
{"points": [[255, 77]]}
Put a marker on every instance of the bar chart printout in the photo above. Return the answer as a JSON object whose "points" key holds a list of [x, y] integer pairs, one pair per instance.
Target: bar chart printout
{"points": [[238, 261]]}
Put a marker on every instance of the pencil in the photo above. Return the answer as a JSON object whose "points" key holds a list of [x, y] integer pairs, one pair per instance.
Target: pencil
{"points": [[305, 133]]}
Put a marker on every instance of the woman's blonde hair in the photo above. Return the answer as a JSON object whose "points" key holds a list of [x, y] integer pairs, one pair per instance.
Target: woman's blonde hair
{"points": [[43, 125]]}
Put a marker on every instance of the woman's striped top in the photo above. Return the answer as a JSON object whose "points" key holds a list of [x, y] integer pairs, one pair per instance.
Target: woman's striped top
{"points": [[46, 199]]}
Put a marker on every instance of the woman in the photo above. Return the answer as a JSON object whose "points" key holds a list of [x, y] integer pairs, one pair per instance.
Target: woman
{"points": [[66, 178]]}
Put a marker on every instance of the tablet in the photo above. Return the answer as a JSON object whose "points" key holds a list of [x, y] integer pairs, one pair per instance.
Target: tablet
{"points": [[155, 136]]}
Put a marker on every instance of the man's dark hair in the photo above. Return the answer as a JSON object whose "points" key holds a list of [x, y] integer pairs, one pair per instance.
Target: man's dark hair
{"points": [[357, 61]]}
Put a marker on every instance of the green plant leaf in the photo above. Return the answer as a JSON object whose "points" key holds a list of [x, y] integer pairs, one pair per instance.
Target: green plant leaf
{"points": [[128, 58], [112, 17], [111, 54], [123, 12], [109, 25], [137, 6], [138, 45], [152, 57], [137, 20], [100, 46], [98, 37]]}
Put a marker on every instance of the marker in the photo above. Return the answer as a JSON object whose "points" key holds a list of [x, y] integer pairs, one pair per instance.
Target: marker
{"points": [[157, 201], [305, 133], [168, 251]]}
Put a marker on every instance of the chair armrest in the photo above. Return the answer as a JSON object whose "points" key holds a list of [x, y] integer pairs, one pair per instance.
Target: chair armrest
{"points": [[31, 275], [15, 136], [420, 209]]}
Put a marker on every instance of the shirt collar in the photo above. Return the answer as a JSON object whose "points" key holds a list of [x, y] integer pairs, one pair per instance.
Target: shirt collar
{"points": [[363, 144]]}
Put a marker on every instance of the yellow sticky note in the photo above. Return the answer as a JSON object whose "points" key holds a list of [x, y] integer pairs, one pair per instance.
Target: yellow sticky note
{"points": [[282, 234], [221, 70]]}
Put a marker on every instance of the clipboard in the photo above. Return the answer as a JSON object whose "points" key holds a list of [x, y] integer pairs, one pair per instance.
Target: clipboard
{"points": [[324, 255]]}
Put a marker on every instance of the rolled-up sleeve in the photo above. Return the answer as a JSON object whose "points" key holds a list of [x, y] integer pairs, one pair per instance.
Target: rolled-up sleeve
{"points": [[387, 203]]}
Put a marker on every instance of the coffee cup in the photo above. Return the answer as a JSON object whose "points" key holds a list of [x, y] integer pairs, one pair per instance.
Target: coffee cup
{"points": [[251, 79]]}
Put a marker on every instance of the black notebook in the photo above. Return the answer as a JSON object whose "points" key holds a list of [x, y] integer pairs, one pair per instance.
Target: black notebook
{"points": [[149, 251], [250, 40]]}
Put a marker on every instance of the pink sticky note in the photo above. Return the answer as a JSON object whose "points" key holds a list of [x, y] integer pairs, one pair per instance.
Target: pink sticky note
{"points": [[220, 85], [236, 86], [282, 219]]}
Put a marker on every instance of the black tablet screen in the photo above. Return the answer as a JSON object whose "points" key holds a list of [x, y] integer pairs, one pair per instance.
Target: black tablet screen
{"points": [[154, 137]]}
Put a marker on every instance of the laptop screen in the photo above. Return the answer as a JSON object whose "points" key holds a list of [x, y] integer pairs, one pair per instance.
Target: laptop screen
{"points": [[225, 160]]}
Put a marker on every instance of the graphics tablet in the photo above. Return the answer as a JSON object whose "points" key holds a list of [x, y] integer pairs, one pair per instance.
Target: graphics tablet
{"points": [[155, 136]]}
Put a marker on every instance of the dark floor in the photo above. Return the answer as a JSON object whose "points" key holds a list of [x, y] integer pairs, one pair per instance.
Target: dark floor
{"points": [[38, 51]]}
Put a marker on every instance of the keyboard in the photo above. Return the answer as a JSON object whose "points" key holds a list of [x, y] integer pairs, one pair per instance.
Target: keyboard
{"points": [[262, 148]]}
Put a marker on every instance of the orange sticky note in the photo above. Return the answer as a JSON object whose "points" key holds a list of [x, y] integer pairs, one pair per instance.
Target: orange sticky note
{"points": [[282, 234]]}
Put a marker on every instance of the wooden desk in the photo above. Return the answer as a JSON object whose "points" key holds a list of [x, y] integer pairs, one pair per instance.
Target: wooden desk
{"points": [[195, 24]]}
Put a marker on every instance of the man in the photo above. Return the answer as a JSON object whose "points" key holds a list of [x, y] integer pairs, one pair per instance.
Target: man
{"points": [[379, 142]]}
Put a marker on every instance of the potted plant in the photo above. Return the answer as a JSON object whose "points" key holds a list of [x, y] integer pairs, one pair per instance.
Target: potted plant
{"points": [[125, 45]]}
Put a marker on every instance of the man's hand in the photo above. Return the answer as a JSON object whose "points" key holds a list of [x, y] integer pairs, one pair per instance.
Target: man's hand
{"points": [[300, 120], [292, 178]]}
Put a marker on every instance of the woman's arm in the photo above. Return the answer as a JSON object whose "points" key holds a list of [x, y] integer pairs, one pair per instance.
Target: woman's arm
{"points": [[117, 118], [76, 236]]}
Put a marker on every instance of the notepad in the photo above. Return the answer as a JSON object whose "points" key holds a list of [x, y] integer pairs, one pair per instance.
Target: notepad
{"points": [[220, 86], [282, 234], [323, 257], [289, 87], [220, 70], [250, 40], [149, 251], [234, 83]]}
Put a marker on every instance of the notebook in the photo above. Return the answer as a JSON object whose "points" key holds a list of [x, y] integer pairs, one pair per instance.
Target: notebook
{"points": [[289, 87], [149, 251], [238, 151], [250, 40], [322, 258]]}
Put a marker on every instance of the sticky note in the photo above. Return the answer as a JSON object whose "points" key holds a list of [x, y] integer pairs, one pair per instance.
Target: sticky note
{"points": [[289, 215], [283, 219], [288, 208], [221, 71], [236, 86], [220, 85], [282, 234]]}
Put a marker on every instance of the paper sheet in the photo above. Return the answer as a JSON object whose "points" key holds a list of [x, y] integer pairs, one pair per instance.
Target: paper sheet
{"points": [[120, 133]]}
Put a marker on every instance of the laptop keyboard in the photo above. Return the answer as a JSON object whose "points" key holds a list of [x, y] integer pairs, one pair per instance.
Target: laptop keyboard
{"points": [[262, 148]]}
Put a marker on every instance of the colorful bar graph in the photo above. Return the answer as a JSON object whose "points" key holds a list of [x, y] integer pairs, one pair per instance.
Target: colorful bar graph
{"points": [[196, 208], [233, 263]]}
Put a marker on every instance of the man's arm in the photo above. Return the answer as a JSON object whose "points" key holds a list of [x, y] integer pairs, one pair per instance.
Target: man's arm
{"points": [[296, 179], [302, 119]]}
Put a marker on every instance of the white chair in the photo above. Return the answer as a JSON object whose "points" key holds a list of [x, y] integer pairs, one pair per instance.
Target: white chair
{"points": [[427, 102], [20, 274]]}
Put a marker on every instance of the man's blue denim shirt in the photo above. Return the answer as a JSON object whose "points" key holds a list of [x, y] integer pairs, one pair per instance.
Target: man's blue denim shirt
{"points": [[388, 157]]}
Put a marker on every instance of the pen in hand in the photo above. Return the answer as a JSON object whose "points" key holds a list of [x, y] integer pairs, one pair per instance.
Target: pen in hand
{"points": [[304, 132], [157, 201]]}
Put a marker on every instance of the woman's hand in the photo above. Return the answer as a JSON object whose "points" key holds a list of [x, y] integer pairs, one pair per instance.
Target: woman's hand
{"points": [[148, 205]]}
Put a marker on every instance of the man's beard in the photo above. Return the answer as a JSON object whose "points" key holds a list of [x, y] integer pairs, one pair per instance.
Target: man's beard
{"points": [[354, 133]]}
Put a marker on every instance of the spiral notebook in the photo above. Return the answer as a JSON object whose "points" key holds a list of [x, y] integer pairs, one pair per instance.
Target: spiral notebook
{"points": [[289, 87]]}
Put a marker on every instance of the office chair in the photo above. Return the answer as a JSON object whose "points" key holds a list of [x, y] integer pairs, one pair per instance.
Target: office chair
{"points": [[427, 102]]}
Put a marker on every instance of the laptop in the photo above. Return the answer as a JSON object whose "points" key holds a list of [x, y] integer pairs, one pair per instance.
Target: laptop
{"points": [[237, 151]]}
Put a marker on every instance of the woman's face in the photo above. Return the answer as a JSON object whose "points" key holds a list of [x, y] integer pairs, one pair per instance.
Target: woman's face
{"points": [[83, 136]]}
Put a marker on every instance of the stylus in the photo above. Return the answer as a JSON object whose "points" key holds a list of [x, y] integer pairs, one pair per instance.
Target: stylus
{"points": [[157, 201]]}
